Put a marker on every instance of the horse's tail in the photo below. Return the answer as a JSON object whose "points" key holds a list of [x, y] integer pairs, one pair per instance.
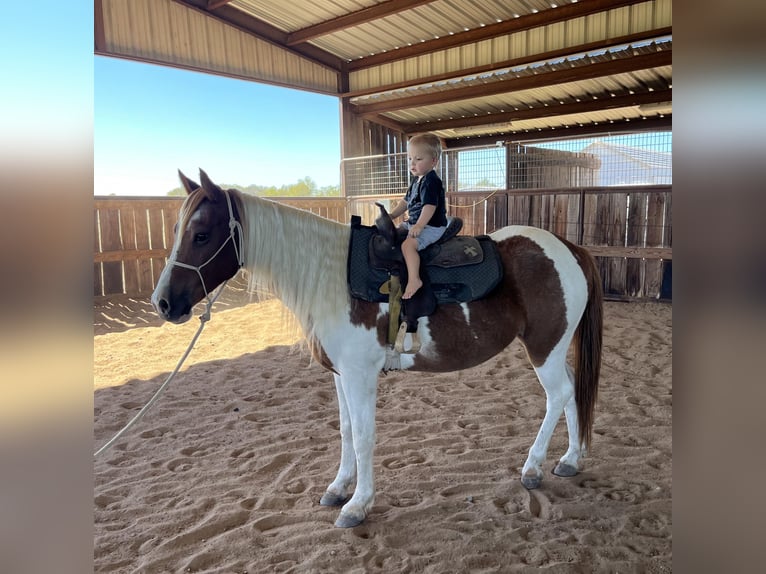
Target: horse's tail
{"points": [[587, 348]]}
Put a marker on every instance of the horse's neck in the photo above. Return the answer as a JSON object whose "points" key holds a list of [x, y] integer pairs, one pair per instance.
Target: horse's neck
{"points": [[297, 256]]}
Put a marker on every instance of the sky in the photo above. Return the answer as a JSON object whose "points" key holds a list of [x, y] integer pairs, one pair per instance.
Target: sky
{"points": [[150, 121]]}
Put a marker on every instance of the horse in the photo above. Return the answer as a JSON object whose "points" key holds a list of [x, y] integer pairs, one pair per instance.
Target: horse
{"points": [[550, 297]]}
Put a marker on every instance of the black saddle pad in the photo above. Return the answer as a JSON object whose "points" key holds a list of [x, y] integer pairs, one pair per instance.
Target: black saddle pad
{"points": [[452, 280]]}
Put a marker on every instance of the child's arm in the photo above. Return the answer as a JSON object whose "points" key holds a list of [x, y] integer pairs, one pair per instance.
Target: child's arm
{"points": [[400, 208], [425, 216]]}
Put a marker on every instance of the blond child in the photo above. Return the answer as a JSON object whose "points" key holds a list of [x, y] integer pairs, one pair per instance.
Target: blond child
{"points": [[425, 205]]}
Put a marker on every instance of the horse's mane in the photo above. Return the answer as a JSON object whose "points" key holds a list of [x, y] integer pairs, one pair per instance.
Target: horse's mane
{"points": [[297, 256]]}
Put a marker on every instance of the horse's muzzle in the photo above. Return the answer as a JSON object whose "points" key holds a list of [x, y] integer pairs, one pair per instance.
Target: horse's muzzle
{"points": [[171, 313]]}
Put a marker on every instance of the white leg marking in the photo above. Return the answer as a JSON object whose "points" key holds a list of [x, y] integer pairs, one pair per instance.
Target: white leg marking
{"points": [[558, 392], [340, 488], [573, 453], [360, 389]]}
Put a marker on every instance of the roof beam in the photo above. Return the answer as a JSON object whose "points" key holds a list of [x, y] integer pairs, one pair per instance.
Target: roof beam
{"points": [[362, 16], [611, 128], [532, 58], [260, 29], [390, 123], [547, 111], [542, 18], [213, 4], [572, 74]]}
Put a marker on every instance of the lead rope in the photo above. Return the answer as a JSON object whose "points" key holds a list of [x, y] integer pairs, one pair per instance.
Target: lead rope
{"points": [[204, 318]]}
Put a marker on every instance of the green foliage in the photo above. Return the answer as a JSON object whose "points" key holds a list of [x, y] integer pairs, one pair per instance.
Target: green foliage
{"points": [[305, 187]]}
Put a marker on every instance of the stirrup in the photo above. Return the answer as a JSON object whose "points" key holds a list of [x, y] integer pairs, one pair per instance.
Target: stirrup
{"points": [[399, 345]]}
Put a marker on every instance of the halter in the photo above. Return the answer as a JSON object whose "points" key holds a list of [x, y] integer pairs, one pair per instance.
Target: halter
{"points": [[233, 224]]}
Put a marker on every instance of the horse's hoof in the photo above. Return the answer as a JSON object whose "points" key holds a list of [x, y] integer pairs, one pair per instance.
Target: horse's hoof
{"points": [[565, 470], [531, 482], [345, 521], [330, 499]]}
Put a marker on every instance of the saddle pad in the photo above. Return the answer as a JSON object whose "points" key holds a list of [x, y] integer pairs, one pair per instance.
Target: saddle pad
{"points": [[363, 281], [450, 282]]}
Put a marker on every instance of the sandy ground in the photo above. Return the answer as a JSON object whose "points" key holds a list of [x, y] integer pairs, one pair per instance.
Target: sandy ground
{"points": [[224, 474]]}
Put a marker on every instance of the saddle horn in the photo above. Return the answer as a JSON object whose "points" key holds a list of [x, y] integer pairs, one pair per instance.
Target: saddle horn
{"points": [[385, 224]]}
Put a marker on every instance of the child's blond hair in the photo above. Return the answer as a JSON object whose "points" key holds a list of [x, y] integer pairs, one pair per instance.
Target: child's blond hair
{"points": [[428, 141]]}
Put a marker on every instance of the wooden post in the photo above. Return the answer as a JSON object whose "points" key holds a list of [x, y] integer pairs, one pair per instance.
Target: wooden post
{"points": [[110, 241], [634, 268], [130, 267]]}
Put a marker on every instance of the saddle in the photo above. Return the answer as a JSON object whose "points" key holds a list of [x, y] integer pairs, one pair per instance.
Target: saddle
{"points": [[455, 269]]}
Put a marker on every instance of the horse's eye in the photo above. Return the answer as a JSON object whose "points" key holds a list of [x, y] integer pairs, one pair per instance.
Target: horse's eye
{"points": [[200, 238]]}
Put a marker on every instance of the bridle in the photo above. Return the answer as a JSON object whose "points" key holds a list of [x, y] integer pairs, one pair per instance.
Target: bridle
{"points": [[233, 224], [238, 251]]}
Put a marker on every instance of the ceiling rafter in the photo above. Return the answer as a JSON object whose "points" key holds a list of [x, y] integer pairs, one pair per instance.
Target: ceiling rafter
{"points": [[532, 58], [351, 19], [547, 111], [593, 129], [536, 20], [264, 31], [572, 74], [213, 4]]}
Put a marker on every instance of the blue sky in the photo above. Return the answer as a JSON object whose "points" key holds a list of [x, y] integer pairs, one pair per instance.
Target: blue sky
{"points": [[150, 121]]}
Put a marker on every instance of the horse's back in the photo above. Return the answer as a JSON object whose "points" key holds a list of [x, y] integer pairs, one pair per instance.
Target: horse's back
{"points": [[549, 278], [520, 244]]}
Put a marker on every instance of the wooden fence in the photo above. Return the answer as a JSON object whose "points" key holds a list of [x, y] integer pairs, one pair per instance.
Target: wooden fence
{"points": [[133, 237], [628, 229]]}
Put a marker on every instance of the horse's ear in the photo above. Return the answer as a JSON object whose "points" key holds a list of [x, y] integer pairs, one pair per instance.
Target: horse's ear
{"points": [[212, 191], [188, 184]]}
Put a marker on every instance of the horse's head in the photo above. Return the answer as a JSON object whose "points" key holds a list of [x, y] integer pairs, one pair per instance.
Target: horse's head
{"points": [[206, 251]]}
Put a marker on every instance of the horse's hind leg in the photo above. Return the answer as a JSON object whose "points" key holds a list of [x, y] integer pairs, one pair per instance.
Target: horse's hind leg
{"points": [[569, 463], [559, 391], [339, 490]]}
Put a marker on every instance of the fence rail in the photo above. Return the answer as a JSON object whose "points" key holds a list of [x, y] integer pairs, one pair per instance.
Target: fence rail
{"points": [[628, 229]]}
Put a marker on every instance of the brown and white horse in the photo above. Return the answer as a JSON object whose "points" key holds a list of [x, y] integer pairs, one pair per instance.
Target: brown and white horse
{"points": [[550, 295]]}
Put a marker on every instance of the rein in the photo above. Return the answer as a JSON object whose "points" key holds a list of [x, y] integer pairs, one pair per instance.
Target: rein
{"points": [[233, 224]]}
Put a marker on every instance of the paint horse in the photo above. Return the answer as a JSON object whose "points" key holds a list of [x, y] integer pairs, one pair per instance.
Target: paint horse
{"points": [[550, 296]]}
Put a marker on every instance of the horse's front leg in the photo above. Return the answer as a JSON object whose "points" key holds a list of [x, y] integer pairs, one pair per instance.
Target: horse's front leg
{"points": [[360, 391], [339, 490]]}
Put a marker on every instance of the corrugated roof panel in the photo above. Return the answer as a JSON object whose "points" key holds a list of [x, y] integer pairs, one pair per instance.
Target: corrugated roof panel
{"points": [[285, 16], [167, 32], [519, 44], [584, 90], [605, 118], [664, 10], [619, 22], [528, 71], [595, 26], [436, 19]]}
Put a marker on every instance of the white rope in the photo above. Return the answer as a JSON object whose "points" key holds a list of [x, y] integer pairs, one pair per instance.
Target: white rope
{"points": [[233, 225], [203, 319]]}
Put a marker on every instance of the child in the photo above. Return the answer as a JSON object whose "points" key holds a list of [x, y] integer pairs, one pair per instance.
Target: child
{"points": [[426, 206]]}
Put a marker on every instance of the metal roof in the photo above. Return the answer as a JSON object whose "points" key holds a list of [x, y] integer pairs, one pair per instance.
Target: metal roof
{"points": [[462, 69]]}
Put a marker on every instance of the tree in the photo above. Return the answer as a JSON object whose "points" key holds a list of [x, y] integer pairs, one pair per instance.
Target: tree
{"points": [[305, 187]]}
